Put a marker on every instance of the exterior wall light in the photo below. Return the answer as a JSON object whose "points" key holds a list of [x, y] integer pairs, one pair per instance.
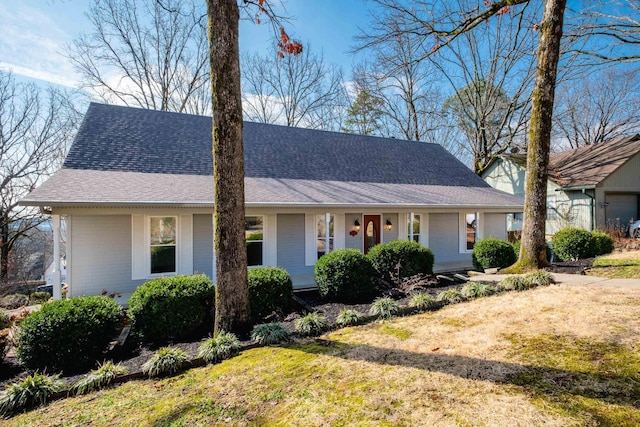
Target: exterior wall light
{"points": [[356, 225], [388, 225]]}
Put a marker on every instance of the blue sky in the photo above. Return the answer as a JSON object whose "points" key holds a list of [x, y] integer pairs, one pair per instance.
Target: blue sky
{"points": [[34, 33]]}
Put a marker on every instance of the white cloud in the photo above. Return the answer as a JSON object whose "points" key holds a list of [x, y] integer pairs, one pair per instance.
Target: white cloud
{"points": [[32, 43]]}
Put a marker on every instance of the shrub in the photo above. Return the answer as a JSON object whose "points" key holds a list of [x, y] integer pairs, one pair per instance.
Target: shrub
{"points": [[423, 301], [518, 243], [384, 308], [349, 317], [571, 244], [311, 324], [39, 298], [171, 307], [270, 289], [14, 301], [401, 258], [5, 319], [493, 253], [602, 243], [473, 290], [221, 347], [99, 378], [539, 278], [450, 296], [270, 333], [345, 275], [31, 391], [166, 361], [68, 334], [514, 283], [4, 343]]}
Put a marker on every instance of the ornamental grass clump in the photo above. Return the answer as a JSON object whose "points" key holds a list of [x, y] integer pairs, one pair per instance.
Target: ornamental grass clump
{"points": [[422, 301], [166, 361], [450, 296], [312, 324], [348, 317], [384, 308], [539, 278], [270, 333], [474, 290], [5, 319], [514, 283], [34, 390], [100, 378], [221, 347]]}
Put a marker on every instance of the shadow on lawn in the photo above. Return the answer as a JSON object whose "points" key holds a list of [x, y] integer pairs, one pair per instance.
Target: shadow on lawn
{"points": [[541, 380]]}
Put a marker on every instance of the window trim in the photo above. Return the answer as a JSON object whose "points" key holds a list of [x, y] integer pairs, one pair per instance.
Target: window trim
{"points": [[262, 264], [148, 246], [410, 220], [463, 230], [328, 237]]}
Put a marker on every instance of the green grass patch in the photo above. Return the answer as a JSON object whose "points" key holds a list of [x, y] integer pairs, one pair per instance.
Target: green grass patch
{"points": [[615, 268], [400, 333]]}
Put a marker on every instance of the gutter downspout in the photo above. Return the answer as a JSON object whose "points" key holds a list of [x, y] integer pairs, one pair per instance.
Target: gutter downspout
{"points": [[592, 200]]}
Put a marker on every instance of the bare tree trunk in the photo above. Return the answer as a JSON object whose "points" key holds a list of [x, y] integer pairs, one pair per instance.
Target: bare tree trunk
{"points": [[4, 248], [232, 293], [533, 248]]}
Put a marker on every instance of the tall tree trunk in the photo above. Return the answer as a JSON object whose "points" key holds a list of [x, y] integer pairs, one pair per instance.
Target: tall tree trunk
{"points": [[533, 248], [4, 248], [232, 293]]}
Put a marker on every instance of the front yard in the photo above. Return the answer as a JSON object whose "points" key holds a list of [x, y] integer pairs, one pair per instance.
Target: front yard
{"points": [[558, 355], [624, 265]]}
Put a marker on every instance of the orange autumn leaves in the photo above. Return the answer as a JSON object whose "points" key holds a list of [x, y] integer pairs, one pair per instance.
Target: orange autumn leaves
{"points": [[286, 45]]}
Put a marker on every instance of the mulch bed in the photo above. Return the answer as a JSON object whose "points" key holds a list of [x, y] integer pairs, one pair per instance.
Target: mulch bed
{"points": [[133, 357]]}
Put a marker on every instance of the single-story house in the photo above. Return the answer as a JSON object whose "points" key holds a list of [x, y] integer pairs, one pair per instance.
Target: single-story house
{"points": [[591, 187], [136, 192]]}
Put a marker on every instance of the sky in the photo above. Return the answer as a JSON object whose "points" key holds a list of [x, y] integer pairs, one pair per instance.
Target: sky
{"points": [[34, 34]]}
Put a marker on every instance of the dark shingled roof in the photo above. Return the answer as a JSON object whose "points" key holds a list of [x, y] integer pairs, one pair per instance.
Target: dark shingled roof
{"points": [[114, 138], [130, 156]]}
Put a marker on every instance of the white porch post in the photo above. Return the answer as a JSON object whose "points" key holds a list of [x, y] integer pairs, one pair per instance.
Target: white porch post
{"points": [[57, 294]]}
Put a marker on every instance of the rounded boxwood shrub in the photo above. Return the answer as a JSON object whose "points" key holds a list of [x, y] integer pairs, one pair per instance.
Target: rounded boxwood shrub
{"points": [[602, 243], [345, 275], [570, 244], [270, 289], [493, 253], [411, 258], [68, 334], [171, 307]]}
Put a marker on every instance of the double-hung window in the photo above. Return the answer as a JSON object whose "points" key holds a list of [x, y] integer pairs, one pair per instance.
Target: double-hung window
{"points": [[162, 242], [324, 233], [254, 235], [413, 227], [471, 230]]}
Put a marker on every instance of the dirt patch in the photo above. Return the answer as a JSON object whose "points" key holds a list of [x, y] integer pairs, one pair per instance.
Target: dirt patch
{"points": [[571, 267]]}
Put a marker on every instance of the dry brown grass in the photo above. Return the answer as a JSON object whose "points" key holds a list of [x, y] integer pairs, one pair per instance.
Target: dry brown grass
{"points": [[554, 356]]}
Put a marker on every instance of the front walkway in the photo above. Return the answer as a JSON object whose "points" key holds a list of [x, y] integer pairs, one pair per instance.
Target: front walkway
{"points": [[568, 279]]}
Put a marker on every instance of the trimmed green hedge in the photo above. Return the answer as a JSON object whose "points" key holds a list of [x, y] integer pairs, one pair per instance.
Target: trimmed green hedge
{"points": [[68, 334], [411, 257], [493, 253], [345, 275], [270, 289], [572, 244], [172, 307], [602, 243]]}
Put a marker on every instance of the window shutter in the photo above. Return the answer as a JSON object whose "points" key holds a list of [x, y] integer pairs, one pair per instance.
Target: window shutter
{"points": [[185, 245], [138, 248], [311, 252]]}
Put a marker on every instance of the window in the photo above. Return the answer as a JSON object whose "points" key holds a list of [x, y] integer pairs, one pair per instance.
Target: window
{"points": [[254, 235], [413, 227], [471, 230], [552, 212], [324, 233], [162, 233]]}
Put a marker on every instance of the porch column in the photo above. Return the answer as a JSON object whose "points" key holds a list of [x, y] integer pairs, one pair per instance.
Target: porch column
{"points": [[57, 294]]}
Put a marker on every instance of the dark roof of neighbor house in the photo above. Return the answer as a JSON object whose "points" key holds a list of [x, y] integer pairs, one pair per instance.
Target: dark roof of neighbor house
{"points": [[586, 166], [124, 155], [591, 164]]}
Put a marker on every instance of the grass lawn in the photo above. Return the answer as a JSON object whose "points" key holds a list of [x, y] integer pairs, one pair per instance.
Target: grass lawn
{"points": [[620, 265], [554, 356]]}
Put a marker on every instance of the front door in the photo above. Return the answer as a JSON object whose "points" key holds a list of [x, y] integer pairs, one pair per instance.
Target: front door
{"points": [[371, 231]]}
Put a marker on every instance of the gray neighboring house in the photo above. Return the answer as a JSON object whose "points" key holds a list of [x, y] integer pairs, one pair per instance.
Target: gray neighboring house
{"points": [[136, 193], [590, 187]]}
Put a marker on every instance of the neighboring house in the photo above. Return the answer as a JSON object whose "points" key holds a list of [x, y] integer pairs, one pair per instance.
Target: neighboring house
{"points": [[136, 193], [591, 187]]}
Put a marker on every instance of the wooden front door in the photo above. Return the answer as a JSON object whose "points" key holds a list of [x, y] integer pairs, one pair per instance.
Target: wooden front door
{"points": [[371, 231]]}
